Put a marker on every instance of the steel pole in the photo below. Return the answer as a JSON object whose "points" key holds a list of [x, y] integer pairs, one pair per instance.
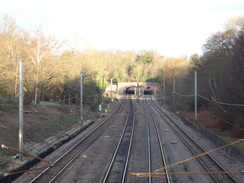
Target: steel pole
{"points": [[195, 86], [21, 109], [164, 92], [81, 97], [102, 90], [111, 82], [174, 93]]}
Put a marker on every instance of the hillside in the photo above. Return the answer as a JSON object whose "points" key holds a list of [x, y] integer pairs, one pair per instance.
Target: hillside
{"points": [[43, 125]]}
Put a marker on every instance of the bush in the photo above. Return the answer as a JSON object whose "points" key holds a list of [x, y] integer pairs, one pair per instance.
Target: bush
{"points": [[94, 107]]}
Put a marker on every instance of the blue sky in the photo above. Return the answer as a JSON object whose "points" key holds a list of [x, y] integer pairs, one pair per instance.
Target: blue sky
{"points": [[173, 28]]}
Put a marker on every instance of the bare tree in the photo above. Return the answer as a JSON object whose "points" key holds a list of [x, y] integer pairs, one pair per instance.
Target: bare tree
{"points": [[38, 48], [11, 47]]}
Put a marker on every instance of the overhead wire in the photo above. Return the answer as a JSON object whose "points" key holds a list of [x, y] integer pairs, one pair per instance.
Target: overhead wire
{"points": [[214, 101], [184, 95], [162, 175], [221, 103], [156, 172], [14, 150], [217, 102], [227, 122], [60, 101], [28, 170], [23, 171]]}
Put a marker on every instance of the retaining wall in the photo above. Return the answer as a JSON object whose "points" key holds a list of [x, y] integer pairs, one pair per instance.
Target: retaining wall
{"points": [[218, 141]]}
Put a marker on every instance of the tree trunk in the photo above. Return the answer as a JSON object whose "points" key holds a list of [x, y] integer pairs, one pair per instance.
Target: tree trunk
{"points": [[37, 83]]}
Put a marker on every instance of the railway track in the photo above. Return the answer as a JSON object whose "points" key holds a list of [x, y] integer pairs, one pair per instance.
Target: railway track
{"points": [[138, 143], [50, 174], [117, 168], [207, 162], [155, 140]]}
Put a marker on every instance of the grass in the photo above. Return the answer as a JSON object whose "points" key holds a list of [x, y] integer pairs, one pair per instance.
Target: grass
{"points": [[7, 107], [40, 123], [229, 139], [38, 126], [229, 135], [58, 144], [56, 123]]}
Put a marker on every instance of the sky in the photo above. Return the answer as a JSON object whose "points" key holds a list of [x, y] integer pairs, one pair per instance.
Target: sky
{"points": [[173, 28]]}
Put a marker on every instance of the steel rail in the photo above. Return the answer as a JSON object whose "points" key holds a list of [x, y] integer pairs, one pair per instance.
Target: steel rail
{"points": [[96, 132], [197, 149], [130, 118], [131, 141], [162, 151], [149, 148]]}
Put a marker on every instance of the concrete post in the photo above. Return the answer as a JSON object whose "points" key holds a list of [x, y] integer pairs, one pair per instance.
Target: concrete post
{"points": [[164, 92], [102, 90], [174, 93], [81, 97], [21, 109], [195, 86], [111, 82]]}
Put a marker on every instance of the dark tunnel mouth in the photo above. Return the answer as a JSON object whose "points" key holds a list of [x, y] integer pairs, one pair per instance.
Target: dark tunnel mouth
{"points": [[131, 91]]}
